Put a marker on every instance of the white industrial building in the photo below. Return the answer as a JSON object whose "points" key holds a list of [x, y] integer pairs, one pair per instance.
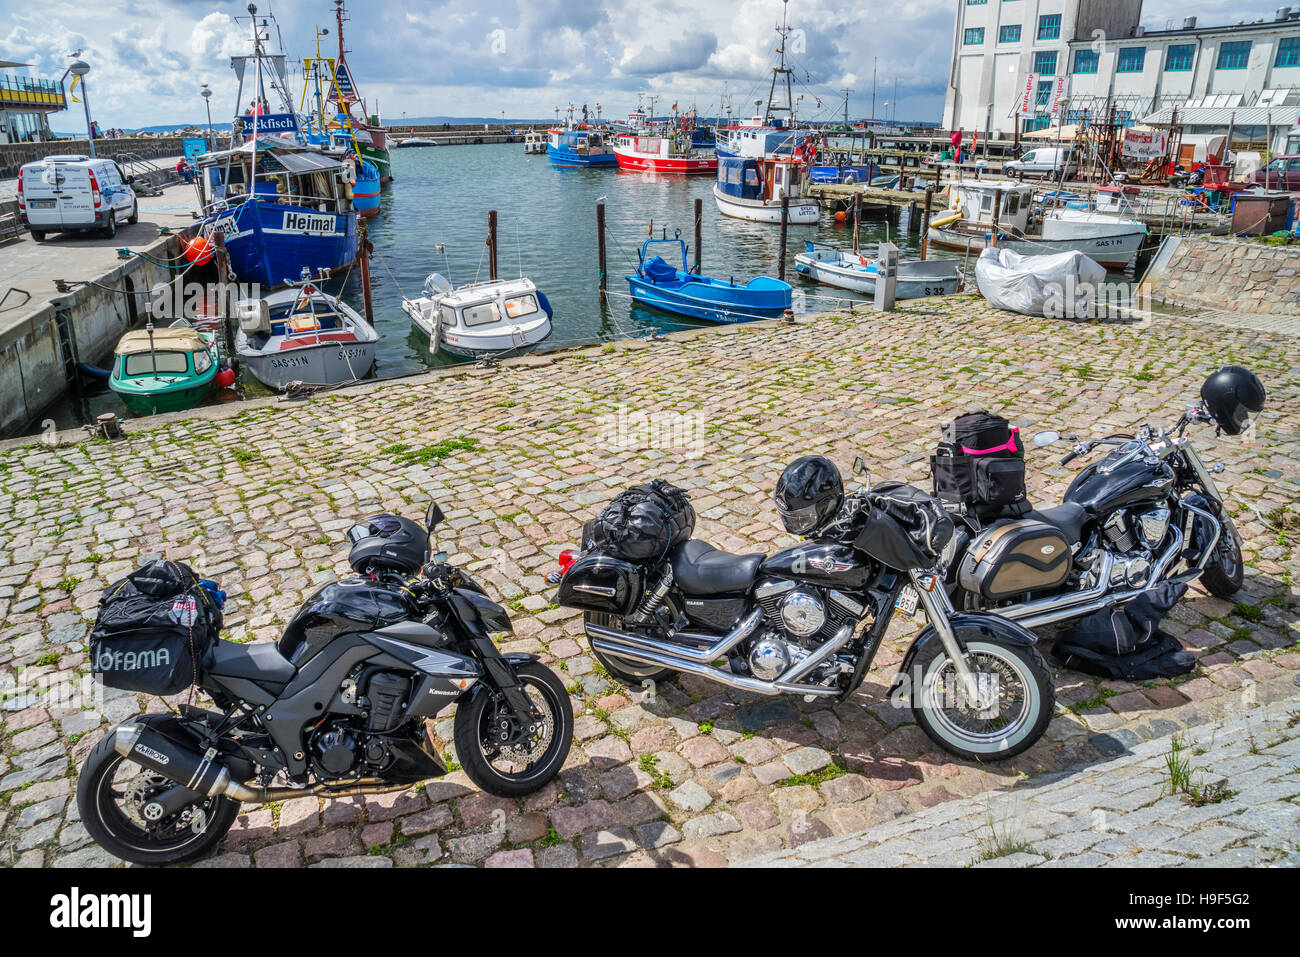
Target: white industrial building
{"points": [[1042, 62]]}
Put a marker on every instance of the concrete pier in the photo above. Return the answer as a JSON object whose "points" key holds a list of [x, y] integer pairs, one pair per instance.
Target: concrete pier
{"points": [[69, 299]]}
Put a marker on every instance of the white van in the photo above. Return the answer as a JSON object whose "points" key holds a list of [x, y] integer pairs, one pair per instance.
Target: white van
{"points": [[1045, 161], [75, 193]]}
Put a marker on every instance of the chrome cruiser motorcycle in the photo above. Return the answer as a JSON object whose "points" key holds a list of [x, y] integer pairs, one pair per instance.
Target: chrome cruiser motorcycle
{"points": [[808, 620], [336, 707], [1146, 513]]}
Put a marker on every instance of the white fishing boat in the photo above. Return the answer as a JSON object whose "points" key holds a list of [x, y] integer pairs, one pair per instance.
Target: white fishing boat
{"points": [[534, 143], [302, 334], [1108, 239], [482, 319], [847, 270], [414, 142]]}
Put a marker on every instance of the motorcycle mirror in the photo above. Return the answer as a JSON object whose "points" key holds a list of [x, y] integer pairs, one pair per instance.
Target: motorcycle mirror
{"points": [[432, 516], [859, 466], [1046, 437]]}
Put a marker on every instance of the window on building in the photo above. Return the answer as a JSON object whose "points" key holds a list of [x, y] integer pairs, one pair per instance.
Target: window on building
{"points": [[1085, 61], [1131, 60], [975, 3], [1049, 27], [1288, 52], [1010, 33], [1179, 57], [1233, 55], [1044, 92], [1045, 62], [974, 36]]}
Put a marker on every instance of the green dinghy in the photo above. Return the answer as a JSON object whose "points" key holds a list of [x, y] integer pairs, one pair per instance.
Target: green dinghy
{"points": [[164, 370]]}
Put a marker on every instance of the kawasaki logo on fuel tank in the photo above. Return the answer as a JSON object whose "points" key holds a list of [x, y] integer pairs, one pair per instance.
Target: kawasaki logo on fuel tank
{"points": [[316, 224], [131, 660]]}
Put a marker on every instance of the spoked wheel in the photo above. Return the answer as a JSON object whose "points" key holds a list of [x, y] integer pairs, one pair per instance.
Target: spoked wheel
{"points": [[624, 669], [1016, 699], [1225, 570], [114, 797], [503, 758]]}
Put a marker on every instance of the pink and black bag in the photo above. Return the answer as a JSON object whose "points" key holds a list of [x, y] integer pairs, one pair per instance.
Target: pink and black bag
{"points": [[980, 464]]}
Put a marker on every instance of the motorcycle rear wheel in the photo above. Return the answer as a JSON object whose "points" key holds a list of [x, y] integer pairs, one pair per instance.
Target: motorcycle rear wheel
{"points": [[109, 798], [1025, 702], [628, 672]]}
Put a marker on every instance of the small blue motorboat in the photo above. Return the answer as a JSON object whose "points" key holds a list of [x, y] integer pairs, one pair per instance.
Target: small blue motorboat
{"points": [[659, 284], [582, 148]]}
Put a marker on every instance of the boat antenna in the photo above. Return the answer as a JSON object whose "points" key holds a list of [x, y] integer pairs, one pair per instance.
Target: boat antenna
{"points": [[783, 31], [152, 354]]}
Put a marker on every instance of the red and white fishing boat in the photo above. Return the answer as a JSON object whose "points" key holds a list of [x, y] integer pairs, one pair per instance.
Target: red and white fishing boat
{"points": [[663, 154]]}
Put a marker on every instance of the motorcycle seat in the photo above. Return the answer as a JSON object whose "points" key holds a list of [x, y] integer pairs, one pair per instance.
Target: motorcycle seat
{"points": [[261, 662], [1068, 517], [701, 569]]}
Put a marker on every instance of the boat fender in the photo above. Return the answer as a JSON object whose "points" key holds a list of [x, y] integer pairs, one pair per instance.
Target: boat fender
{"points": [[545, 304]]}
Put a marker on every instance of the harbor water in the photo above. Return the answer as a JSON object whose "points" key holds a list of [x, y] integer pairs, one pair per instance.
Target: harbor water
{"points": [[434, 218]]}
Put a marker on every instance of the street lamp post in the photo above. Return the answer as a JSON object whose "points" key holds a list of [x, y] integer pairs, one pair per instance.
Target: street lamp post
{"points": [[81, 68], [206, 93]]}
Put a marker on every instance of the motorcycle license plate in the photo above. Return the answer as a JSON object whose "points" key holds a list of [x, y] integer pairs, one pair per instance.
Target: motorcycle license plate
{"points": [[906, 600]]}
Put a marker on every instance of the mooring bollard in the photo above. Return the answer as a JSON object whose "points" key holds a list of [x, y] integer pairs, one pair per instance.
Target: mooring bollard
{"points": [[886, 277]]}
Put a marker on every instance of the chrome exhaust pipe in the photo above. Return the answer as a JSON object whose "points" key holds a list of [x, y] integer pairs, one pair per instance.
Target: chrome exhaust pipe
{"points": [[786, 683], [1048, 611], [706, 656]]}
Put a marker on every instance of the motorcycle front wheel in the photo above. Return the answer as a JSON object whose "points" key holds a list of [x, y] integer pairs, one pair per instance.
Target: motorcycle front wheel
{"points": [[1015, 718], [113, 798], [527, 757], [1225, 570]]}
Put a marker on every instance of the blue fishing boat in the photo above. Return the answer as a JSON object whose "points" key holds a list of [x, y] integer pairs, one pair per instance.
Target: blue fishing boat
{"points": [[578, 147], [297, 215], [660, 284], [848, 175]]}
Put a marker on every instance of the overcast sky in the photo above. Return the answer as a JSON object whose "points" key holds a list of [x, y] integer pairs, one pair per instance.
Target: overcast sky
{"points": [[526, 57]]}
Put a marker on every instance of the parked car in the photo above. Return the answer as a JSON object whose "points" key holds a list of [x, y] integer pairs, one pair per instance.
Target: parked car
{"points": [[75, 193], [1045, 161], [1282, 173]]}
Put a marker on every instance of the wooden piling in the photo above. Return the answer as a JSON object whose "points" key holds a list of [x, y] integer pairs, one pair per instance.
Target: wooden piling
{"points": [[785, 222], [925, 221], [492, 244], [997, 208], [363, 253], [857, 221], [699, 218], [600, 246], [222, 259], [913, 221]]}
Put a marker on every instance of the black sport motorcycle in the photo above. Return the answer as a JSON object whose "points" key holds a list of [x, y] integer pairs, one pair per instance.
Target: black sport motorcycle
{"points": [[1147, 513], [808, 621], [337, 707]]}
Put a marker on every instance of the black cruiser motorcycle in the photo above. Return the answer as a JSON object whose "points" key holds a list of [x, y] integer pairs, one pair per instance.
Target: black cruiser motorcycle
{"points": [[337, 707], [1146, 513], [808, 620]]}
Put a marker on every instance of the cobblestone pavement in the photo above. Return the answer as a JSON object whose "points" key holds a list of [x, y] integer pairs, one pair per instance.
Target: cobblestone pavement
{"points": [[259, 498], [1240, 807]]}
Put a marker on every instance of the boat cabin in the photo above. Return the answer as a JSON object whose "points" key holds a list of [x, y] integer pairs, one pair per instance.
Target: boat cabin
{"points": [[768, 180], [582, 142], [974, 198], [487, 304], [758, 142], [285, 174], [178, 351]]}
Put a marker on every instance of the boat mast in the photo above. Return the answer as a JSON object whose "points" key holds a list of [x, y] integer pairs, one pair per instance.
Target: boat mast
{"points": [[783, 31]]}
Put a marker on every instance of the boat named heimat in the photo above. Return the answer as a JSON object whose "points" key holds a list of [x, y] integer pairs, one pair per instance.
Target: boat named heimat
{"points": [[281, 204], [1108, 239]]}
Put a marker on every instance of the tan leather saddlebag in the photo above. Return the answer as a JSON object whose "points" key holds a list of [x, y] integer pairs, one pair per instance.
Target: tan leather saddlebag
{"points": [[1013, 557]]}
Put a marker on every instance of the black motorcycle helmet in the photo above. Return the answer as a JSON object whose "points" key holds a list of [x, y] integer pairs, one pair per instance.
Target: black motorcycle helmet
{"points": [[388, 541], [1230, 395], [808, 494]]}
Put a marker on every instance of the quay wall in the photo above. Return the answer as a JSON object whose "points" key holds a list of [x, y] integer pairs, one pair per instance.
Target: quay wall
{"points": [[1226, 274], [38, 351], [14, 155]]}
